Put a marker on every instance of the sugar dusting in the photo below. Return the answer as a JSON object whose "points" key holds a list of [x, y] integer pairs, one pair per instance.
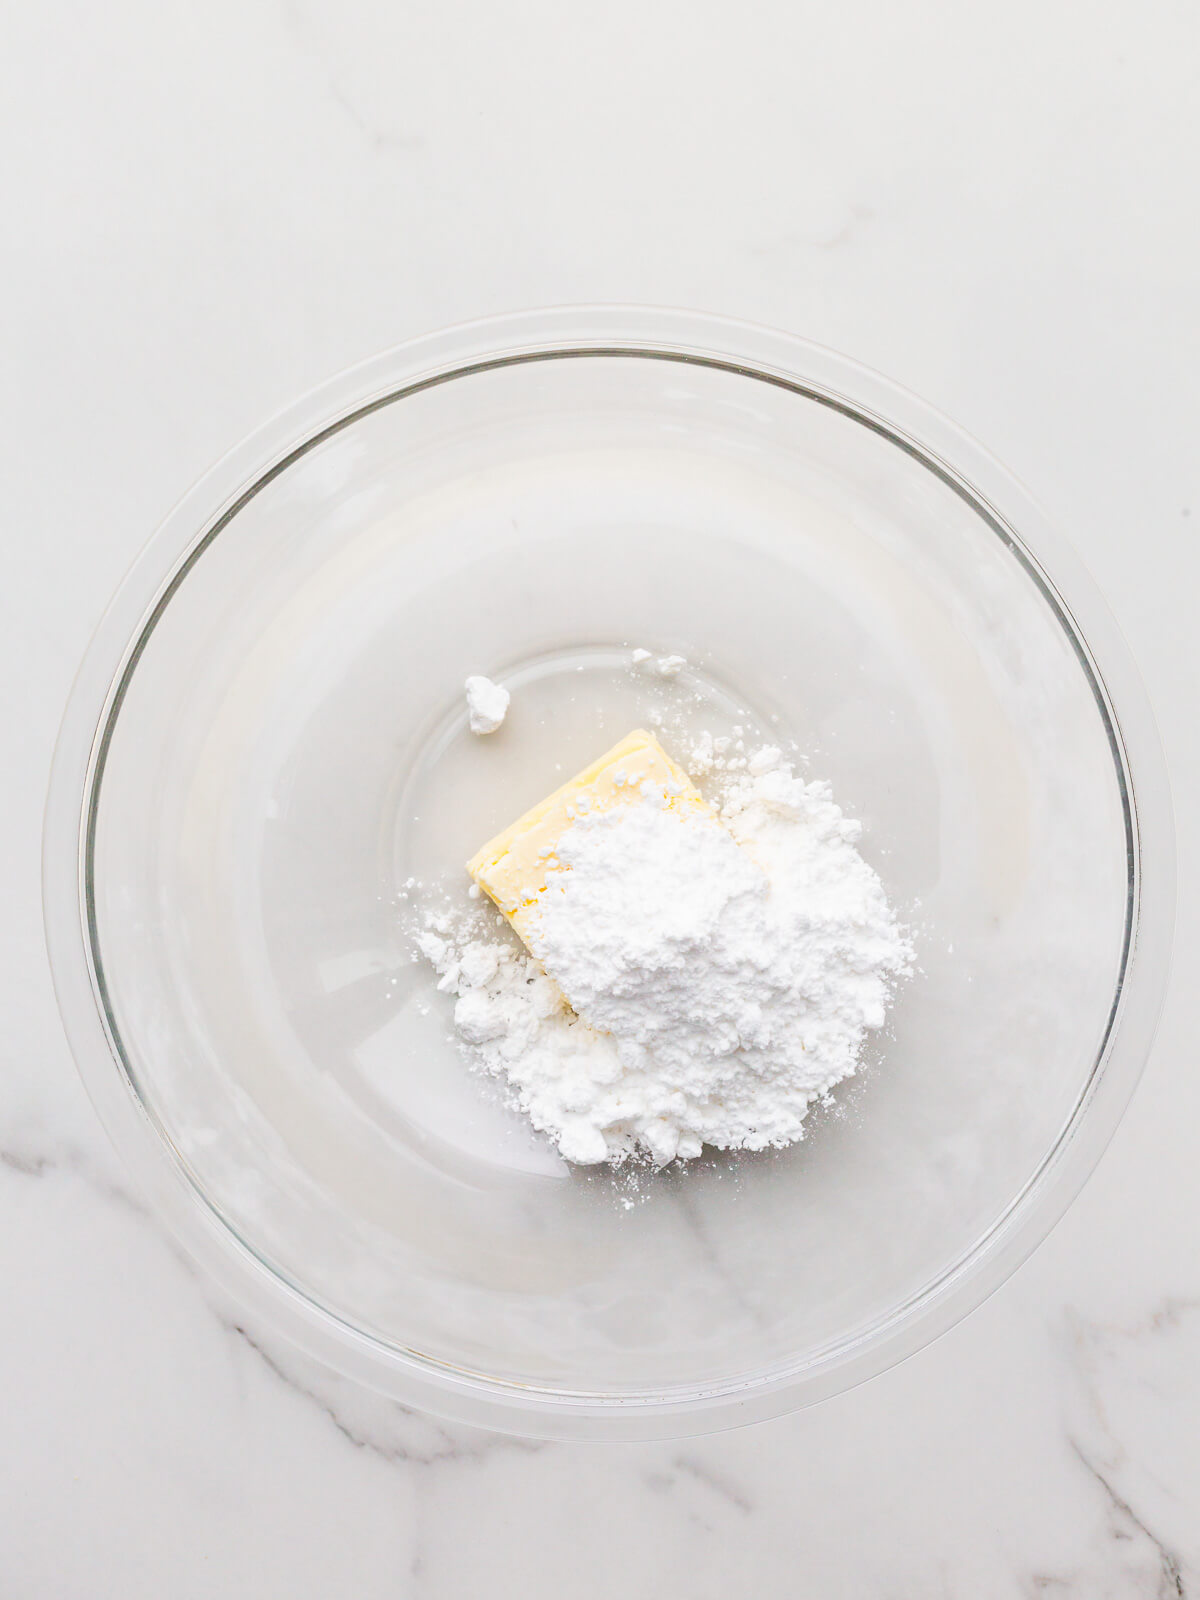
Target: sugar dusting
{"points": [[723, 976]]}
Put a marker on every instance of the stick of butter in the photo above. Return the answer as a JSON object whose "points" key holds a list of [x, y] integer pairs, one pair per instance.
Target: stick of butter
{"points": [[512, 868]]}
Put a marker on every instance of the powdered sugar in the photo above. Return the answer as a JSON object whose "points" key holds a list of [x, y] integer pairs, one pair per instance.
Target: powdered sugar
{"points": [[722, 976], [665, 666], [487, 704]]}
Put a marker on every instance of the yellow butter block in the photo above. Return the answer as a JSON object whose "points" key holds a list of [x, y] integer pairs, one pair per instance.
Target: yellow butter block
{"points": [[512, 868]]}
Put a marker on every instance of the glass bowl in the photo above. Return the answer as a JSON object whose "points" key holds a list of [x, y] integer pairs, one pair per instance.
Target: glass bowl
{"points": [[267, 740]]}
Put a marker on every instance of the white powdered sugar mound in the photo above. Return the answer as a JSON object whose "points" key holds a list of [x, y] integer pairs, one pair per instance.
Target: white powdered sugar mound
{"points": [[487, 704], [723, 977]]}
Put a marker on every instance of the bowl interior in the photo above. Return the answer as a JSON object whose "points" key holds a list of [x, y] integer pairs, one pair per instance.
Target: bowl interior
{"points": [[290, 748]]}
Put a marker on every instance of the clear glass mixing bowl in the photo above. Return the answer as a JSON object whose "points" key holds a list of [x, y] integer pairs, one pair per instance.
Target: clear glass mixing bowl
{"points": [[267, 738]]}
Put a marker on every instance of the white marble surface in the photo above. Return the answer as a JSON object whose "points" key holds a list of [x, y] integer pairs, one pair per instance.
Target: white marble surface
{"points": [[209, 208]]}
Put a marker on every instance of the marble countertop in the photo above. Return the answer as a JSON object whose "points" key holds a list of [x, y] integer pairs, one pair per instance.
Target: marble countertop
{"points": [[211, 208]]}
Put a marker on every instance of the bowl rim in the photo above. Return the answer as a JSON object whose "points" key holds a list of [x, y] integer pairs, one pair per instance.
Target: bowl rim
{"points": [[570, 332]]}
